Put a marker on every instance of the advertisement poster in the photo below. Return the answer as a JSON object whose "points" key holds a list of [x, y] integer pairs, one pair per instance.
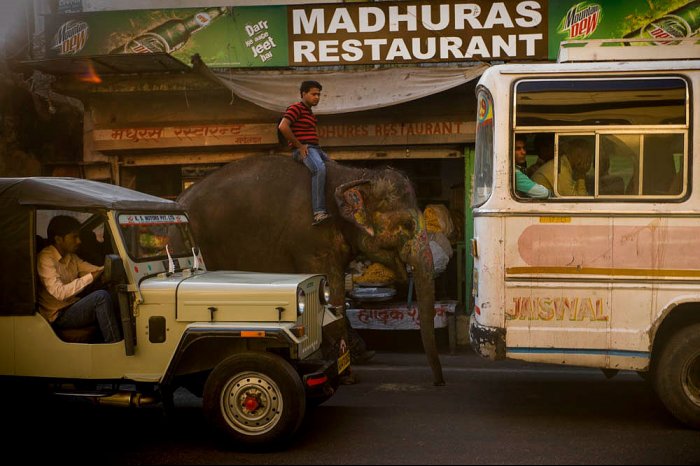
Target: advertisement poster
{"points": [[260, 36], [222, 36], [315, 35], [176, 31], [366, 33], [607, 19]]}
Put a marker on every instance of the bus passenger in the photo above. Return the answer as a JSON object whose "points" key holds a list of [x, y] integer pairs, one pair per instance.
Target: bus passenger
{"points": [[523, 184], [574, 163], [544, 145]]}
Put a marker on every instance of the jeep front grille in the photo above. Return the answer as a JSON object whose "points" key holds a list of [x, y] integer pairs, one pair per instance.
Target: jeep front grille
{"points": [[312, 320]]}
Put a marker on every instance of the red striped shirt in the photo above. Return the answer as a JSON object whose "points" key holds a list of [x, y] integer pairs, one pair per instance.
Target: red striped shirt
{"points": [[303, 122]]}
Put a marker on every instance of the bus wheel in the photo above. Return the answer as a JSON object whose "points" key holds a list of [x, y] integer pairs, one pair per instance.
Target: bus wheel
{"points": [[677, 375], [255, 399]]}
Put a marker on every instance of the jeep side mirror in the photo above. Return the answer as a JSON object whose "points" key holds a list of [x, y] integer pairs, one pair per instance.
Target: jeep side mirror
{"points": [[114, 269]]}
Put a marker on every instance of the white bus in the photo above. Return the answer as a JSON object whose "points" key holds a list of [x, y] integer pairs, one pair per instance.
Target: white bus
{"points": [[605, 271]]}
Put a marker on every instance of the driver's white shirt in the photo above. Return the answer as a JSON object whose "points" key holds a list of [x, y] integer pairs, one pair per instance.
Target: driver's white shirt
{"points": [[62, 278]]}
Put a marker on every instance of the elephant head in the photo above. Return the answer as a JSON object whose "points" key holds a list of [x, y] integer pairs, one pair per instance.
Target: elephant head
{"points": [[389, 228]]}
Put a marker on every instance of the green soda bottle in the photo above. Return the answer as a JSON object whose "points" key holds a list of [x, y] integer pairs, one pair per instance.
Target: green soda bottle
{"points": [[172, 34], [680, 23]]}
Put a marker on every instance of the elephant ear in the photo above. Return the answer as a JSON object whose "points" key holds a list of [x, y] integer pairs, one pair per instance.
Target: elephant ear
{"points": [[351, 202]]}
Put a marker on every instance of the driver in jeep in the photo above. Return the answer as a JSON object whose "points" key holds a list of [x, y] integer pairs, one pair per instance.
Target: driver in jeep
{"points": [[63, 275]]}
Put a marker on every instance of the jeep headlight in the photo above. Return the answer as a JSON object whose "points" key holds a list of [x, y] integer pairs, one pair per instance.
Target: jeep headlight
{"points": [[324, 290], [301, 301]]}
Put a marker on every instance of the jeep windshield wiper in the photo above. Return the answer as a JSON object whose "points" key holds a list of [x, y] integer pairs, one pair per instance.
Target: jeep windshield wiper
{"points": [[171, 263], [195, 260]]}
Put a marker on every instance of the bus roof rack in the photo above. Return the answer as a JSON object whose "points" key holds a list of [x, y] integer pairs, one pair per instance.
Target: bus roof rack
{"points": [[595, 50]]}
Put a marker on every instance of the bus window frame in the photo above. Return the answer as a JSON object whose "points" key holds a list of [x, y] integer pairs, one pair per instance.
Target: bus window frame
{"points": [[597, 130]]}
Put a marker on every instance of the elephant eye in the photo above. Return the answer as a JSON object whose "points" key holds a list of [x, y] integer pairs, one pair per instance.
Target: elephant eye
{"points": [[409, 224]]}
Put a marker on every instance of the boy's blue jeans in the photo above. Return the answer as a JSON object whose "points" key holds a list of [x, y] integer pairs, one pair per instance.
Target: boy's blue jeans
{"points": [[315, 162]]}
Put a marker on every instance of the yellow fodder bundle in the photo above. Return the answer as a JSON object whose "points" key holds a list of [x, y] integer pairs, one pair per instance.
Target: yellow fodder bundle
{"points": [[375, 273], [437, 219]]}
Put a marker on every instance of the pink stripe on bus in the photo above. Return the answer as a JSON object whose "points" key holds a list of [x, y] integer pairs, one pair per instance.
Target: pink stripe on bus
{"points": [[644, 247]]}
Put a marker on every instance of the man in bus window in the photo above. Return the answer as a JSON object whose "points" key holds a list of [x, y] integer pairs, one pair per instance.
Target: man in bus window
{"points": [[523, 184], [544, 146], [574, 163]]}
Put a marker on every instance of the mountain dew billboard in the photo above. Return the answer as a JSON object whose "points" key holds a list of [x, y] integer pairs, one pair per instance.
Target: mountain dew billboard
{"points": [[222, 36], [367, 32], [606, 19]]}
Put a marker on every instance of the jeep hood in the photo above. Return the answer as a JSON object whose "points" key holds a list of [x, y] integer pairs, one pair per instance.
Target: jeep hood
{"points": [[224, 296]]}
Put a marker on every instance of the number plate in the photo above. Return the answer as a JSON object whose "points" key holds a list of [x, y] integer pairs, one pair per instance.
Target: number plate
{"points": [[343, 362]]}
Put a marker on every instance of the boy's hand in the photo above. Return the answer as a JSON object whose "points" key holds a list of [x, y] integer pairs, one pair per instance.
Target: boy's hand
{"points": [[304, 151]]}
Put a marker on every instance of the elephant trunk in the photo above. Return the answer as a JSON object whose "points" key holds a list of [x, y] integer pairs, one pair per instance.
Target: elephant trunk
{"points": [[421, 259]]}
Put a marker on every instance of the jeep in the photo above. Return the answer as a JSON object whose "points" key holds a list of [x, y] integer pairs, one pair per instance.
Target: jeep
{"points": [[250, 344]]}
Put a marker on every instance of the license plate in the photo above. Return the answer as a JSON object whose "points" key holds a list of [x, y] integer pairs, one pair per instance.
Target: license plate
{"points": [[343, 362]]}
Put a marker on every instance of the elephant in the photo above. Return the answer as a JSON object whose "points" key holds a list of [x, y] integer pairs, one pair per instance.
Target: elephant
{"points": [[255, 214]]}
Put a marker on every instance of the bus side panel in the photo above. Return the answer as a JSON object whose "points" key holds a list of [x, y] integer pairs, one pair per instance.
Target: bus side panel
{"points": [[489, 262], [586, 290], [552, 314]]}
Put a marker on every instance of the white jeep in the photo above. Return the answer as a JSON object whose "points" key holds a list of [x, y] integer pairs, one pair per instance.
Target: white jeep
{"points": [[249, 343]]}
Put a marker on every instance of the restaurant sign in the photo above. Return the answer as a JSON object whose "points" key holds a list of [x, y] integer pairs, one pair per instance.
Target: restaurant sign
{"points": [[367, 33], [312, 35]]}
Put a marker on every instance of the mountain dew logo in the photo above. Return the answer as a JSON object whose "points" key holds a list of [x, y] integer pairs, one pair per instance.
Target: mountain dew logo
{"points": [[70, 37], [581, 20]]}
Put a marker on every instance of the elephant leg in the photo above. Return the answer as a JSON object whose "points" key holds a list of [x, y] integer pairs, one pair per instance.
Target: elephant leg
{"points": [[425, 290], [357, 346]]}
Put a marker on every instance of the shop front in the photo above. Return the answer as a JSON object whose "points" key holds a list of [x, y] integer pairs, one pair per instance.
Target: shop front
{"points": [[160, 139]]}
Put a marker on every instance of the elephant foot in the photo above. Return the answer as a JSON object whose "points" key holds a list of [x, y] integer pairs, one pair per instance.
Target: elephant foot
{"points": [[348, 378], [439, 383]]}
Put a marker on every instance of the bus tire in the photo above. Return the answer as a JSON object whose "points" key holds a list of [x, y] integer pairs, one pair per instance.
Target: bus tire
{"points": [[677, 375], [255, 399]]}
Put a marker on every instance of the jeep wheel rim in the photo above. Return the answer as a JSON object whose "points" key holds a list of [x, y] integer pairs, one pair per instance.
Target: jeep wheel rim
{"points": [[251, 403]]}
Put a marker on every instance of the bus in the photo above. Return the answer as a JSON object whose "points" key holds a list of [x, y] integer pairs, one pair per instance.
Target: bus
{"points": [[604, 271]]}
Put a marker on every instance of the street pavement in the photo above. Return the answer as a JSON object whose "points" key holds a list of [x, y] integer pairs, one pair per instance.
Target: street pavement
{"points": [[488, 413]]}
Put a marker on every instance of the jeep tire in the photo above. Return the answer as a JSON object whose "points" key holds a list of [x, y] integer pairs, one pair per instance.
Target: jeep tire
{"points": [[677, 375], [255, 399]]}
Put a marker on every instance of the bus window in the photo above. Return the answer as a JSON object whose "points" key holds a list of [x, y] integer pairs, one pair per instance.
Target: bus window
{"points": [[575, 162], [661, 169], [523, 186], [630, 135], [566, 175], [483, 161], [619, 160], [586, 102], [663, 164]]}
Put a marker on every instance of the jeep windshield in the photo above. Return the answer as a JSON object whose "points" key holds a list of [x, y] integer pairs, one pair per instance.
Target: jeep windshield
{"points": [[153, 236]]}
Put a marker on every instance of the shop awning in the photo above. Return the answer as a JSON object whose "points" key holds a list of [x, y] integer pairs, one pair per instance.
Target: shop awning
{"points": [[344, 91], [102, 65]]}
